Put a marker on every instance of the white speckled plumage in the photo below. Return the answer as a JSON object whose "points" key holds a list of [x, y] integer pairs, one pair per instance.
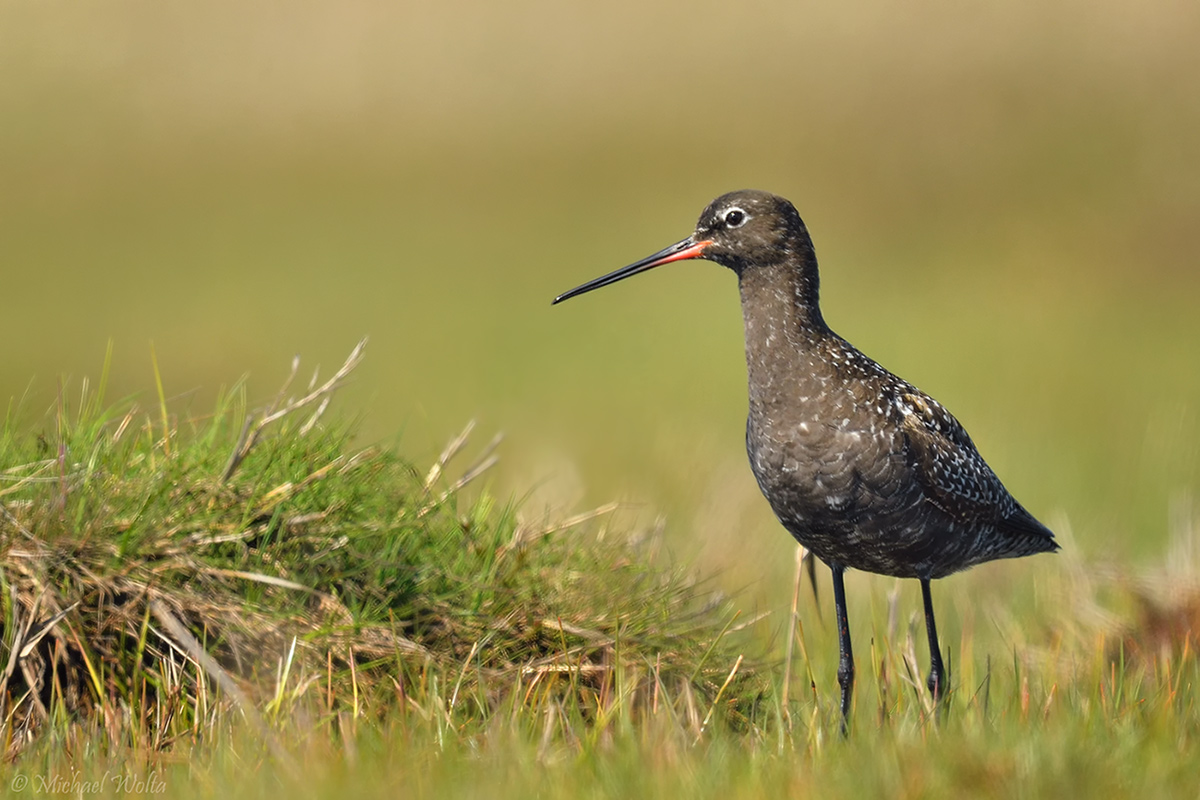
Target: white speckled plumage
{"points": [[859, 465]]}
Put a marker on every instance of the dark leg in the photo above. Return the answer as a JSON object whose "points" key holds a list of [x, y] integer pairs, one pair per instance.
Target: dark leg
{"points": [[845, 671], [937, 672]]}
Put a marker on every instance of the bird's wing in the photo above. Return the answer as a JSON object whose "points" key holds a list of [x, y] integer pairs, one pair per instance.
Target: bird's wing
{"points": [[955, 477]]}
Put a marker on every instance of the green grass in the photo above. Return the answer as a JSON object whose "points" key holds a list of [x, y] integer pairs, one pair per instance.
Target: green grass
{"points": [[378, 628], [334, 580]]}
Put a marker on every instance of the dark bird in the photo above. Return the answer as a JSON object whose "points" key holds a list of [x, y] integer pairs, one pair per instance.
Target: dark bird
{"points": [[862, 468]]}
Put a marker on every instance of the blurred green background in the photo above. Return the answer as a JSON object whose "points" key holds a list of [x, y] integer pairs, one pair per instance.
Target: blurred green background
{"points": [[1004, 198]]}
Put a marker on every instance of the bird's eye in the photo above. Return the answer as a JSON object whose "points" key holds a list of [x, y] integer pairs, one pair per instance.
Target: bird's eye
{"points": [[735, 218]]}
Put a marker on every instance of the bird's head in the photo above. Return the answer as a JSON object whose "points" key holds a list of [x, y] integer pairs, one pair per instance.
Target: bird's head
{"points": [[739, 230]]}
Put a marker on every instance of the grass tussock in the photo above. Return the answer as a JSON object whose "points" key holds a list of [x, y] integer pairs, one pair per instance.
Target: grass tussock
{"points": [[159, 566]]}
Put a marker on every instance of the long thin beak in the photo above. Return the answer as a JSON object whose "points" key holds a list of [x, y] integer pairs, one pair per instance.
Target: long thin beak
{"points": [[680, 251]]}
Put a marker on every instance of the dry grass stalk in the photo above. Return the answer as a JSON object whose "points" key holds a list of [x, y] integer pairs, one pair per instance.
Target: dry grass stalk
{"points": [[281, 408]]}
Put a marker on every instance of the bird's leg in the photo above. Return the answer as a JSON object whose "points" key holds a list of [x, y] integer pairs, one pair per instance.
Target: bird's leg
{"points": [[937, 672], [845, 671]]}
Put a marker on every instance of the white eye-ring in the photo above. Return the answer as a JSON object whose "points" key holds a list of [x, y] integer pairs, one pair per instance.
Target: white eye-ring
{"points": [[735, 218]]}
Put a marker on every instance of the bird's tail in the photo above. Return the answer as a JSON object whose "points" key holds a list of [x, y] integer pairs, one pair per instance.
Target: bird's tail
{"points": [[1029, 535]]}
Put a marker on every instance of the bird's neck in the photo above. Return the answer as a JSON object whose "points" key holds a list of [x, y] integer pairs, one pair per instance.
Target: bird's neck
{"points": [[784, 329]]}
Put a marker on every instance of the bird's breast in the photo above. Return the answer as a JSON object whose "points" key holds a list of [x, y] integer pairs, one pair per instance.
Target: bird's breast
{"points": [[822, 452]]}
